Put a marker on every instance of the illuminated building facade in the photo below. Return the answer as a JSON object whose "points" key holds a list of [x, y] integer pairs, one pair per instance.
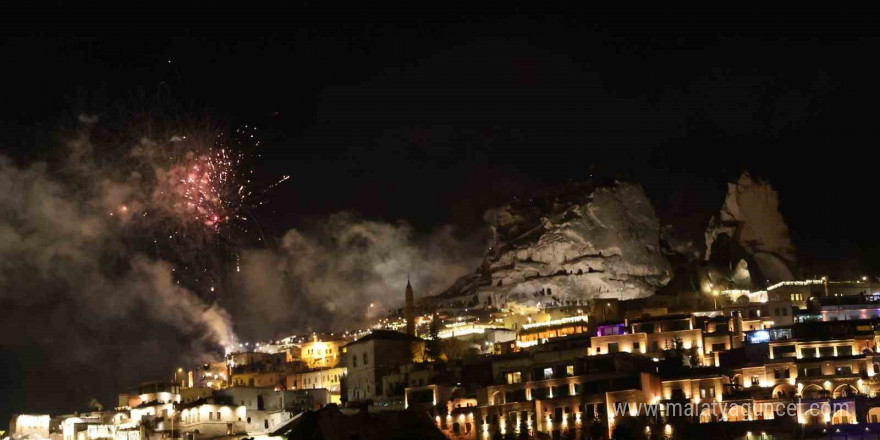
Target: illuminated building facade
{"points": [[651, 336], [324, 378], [214, 375], [537, 333], [259, 379], [35, 426], [842, 308], [371, 357], [207, 419], [538, 394], [321, 354], [261, 405], [756, 316]]}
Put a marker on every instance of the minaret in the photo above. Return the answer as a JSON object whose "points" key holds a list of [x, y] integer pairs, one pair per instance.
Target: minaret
{"points": [[410, 311]]}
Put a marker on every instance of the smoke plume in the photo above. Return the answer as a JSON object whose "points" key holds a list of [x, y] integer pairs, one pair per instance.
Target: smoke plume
{"points": [[87, 296], [328, 276], [111, 273]]}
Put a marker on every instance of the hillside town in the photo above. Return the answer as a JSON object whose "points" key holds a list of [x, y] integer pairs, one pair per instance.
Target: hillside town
{"points": [[795, 360], [585, 320], [288, 221]]}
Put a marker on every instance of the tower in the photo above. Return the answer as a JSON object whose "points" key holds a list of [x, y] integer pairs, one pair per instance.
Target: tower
{"points": [[410, 311]]}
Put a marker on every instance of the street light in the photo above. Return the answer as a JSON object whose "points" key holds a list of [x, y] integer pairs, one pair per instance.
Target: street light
{"points": [[715, 298]]}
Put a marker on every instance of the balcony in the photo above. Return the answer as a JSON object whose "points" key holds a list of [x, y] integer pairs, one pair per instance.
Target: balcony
{"points": [[739, 392]]}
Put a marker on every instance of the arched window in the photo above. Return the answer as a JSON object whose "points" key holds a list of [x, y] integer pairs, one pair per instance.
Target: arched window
{"points": [[813, 416], [844, 391], [841, 417], [812, 391], [737, 414]]}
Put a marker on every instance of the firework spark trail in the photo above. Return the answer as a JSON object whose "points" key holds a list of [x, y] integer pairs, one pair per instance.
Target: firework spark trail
{"points": [[117, 229], [211, 185], [201, 204]]}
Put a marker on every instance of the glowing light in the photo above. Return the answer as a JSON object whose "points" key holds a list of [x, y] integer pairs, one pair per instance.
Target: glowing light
{"points": [[568, 320]]}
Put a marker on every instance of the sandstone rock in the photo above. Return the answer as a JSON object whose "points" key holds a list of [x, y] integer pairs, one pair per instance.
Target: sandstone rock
{"points": [[750, 220], [569, 247]]}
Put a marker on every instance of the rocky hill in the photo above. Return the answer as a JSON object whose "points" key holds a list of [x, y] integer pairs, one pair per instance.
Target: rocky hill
{"points": [[580, 243], [750, 229]]}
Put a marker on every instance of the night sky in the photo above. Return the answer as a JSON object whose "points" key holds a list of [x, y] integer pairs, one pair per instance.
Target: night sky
{"points": [[431, 117]]}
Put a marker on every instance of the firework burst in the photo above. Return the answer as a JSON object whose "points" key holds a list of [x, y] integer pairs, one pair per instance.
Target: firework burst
{"points": [[197, 204], [211, 189], [211, 185]]}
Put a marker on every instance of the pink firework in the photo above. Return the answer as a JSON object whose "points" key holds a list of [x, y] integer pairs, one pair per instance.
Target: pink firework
{"points": [[213, 190], [211, 185]]}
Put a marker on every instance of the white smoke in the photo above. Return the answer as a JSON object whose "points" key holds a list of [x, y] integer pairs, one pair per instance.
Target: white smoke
{"points": [[73, 284], [89, 282], [328, 276]]}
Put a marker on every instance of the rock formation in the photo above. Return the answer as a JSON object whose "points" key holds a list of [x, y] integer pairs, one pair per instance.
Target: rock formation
{"points": [[750, 234], [580, 243]]}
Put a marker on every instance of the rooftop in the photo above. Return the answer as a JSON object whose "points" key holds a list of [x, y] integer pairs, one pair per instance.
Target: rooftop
{"points": [[385, 335], [670, 317]]}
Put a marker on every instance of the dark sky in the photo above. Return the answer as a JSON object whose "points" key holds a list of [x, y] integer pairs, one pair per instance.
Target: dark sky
{"points": [[433, 116]]}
